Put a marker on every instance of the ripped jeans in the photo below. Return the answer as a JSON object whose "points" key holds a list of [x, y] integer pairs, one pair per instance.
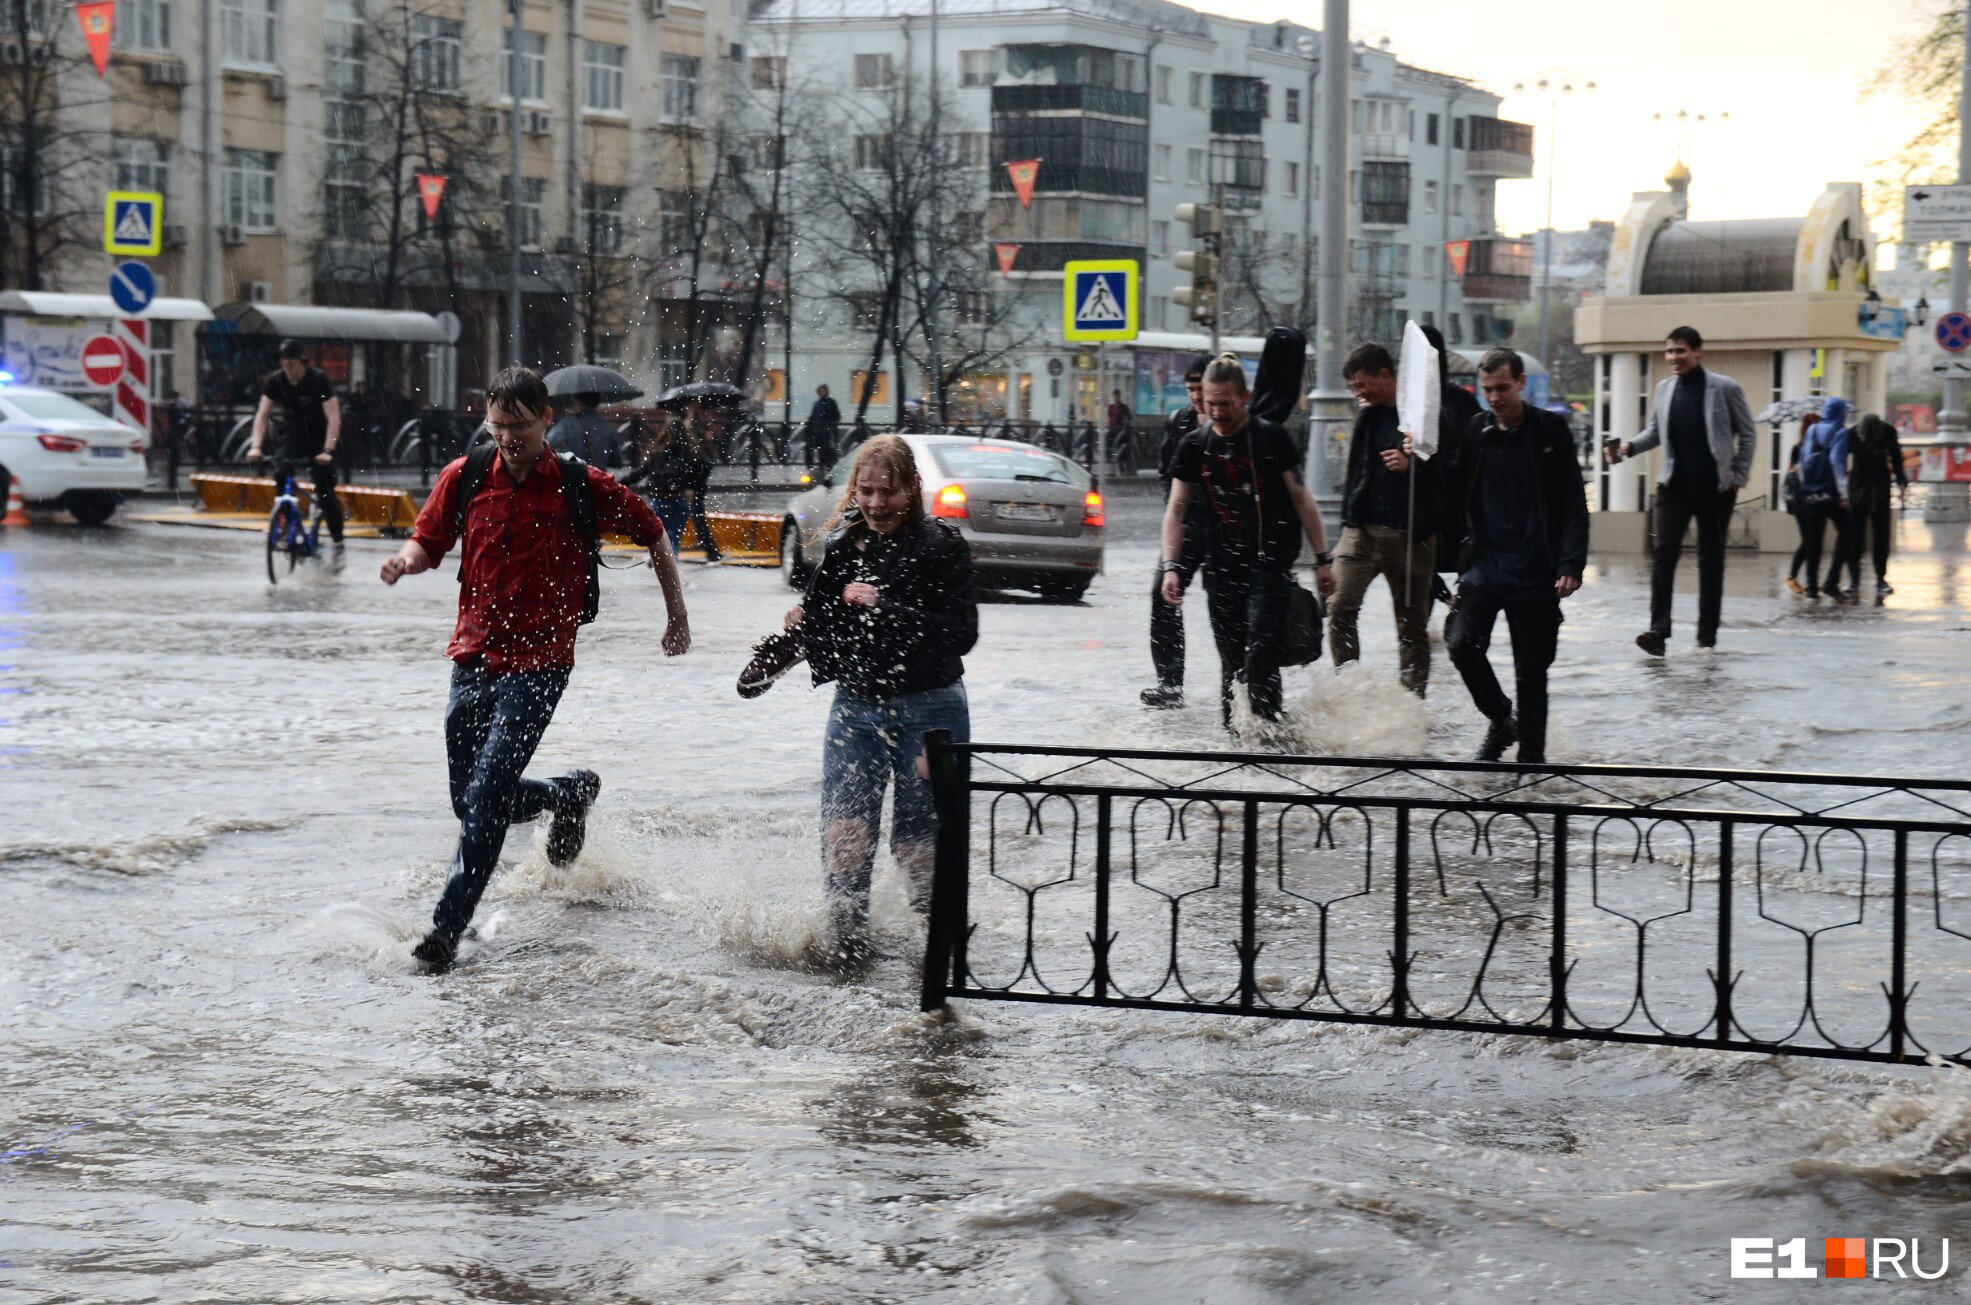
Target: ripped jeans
{"points": [[869, 743]]}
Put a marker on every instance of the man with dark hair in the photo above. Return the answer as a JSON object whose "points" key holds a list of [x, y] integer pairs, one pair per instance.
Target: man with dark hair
{"points": [[1246, 471], [587, 435], [1167, 620], [1525, 525], [1876, 475], [311, 428], [824, 425], [1386, 525], [1705, 427], [526, 577]]}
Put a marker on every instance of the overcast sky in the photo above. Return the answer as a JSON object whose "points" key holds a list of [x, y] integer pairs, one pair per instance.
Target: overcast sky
{"points": [[1791, 73]]}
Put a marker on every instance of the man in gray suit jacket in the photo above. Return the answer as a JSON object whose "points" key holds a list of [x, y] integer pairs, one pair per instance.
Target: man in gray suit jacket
{"points": [[1705, 429]]}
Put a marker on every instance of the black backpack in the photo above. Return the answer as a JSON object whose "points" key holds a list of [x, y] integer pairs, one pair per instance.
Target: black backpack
{"points": [[581, 506]]}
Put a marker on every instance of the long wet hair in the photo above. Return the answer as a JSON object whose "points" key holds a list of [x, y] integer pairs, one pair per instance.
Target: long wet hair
{"points": [[892, 454]]}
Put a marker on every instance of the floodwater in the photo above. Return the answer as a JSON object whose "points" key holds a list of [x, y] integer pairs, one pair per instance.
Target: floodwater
{"points": [[221, 1081]]}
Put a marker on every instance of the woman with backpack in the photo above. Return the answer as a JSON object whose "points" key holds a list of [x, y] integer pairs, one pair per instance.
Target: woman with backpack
{"points": [[888, 616], [1824, 493], [667, 474], [1791, 499]]}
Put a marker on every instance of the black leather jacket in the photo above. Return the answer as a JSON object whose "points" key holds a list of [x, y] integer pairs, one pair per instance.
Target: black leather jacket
{"points": [[1562, 501], [916, 636]]}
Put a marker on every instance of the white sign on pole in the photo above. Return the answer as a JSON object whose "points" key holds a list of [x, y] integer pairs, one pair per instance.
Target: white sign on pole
{"points": [[1954, 367], [1936, 214]]}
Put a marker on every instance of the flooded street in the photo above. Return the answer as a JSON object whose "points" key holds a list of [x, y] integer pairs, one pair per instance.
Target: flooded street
{"points": [[222, 1081]]}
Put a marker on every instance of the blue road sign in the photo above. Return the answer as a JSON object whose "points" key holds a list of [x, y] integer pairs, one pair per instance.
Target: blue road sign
{"points": [[1954, 332], [133, 287], [1098, 299]]}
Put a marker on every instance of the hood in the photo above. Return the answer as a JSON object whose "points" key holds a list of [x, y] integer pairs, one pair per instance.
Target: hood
{"points": [[1835, 409]]}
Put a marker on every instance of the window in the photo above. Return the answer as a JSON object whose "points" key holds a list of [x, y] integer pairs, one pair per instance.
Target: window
{"points": [[602, 76], [1164, 79], [674, 362], [874, 72], [248, 29], [1456, 333], [608, 351], [674, 221], [527, 67], [1159, 237], [533, 196], [1293, 103], [142, 164], [974, 149], [342, 52], [1291, 183], [1430, 129], [769, 152], [872, 153], [1457, 200], [769, 72], [248, 183], [1457, 142], [1161, 155], [1194, 166], [10, 183], [144, 25], [1430, 197], [968, 227], [977, 67], [1402, 260], [1355, 111], [972, 305], [602, 217], [436, 44], [1197, 90], [679, 75]]}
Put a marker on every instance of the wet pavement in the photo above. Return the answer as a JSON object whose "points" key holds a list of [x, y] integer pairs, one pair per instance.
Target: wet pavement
{"points": [[222, 1080]]}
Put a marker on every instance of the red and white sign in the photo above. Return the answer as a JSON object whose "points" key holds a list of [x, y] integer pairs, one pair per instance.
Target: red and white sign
{"points": [[98, 21], [1006, 252], [1024, 174], [133, 390], [1459, 252], [431, 193], [102, 360]]}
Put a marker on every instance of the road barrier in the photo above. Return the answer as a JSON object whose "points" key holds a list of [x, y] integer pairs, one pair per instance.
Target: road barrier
{"points": [[1793, 914]]}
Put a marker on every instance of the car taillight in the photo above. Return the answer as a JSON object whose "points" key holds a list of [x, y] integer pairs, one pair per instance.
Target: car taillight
{"points": [[136, 446], [63, 444], [950, 502], [1091, 509]]}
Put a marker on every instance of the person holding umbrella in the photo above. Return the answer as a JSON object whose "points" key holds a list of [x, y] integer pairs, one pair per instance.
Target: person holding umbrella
{"points": [[582, 432]]}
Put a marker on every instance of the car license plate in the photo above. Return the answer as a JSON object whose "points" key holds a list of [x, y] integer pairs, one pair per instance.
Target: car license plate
{"points": [[1027, 512], [98, 451]]}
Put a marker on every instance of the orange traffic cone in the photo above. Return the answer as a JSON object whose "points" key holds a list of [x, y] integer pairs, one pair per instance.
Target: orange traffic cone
{"points": [[16, 510]]}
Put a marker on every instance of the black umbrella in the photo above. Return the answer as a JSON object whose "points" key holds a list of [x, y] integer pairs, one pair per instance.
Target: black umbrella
{"points": [[606, 385], [702, 392]]}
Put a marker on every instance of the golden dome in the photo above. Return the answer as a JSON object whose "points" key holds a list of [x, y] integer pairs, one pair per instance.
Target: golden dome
{"points": [[1678, 177]]}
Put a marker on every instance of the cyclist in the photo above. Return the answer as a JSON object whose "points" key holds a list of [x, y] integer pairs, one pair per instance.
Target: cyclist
{"points": [[310, 430]]}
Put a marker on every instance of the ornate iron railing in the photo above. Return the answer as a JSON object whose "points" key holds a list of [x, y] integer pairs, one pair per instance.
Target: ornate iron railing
{"points": [[1798, 914]]}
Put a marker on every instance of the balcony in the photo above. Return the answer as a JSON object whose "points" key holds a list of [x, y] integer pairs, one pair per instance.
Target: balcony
{"points": [[1385, 188], [1236, 122], [1499, 272], [1499, 148], [1070, 99], [1385, 145]]}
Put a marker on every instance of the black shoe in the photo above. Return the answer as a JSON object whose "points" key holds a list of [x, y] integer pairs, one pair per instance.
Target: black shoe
{"points": [[437, 952], [1164, 696], [1883, 589], [1703, 642], [1502, 735], [1813, 593], [574, 792], [773, 657], [1651, 642]]}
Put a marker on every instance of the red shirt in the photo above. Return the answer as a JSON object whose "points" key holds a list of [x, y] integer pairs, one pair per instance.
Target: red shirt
{"points": [[524, 567]]}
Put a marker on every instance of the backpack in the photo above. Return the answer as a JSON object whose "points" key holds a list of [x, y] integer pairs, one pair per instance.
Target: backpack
{"points": [[581, 507]]}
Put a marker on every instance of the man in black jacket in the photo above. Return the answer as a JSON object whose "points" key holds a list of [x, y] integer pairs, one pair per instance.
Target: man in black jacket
{"points": [[1167, 621], [1525, 518], [1876, 474]]}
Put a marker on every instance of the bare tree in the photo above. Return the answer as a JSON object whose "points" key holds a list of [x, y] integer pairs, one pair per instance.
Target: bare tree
{"points": [[50, 168], [1923, 71]]}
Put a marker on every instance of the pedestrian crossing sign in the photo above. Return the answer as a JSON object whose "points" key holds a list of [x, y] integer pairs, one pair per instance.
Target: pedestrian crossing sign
{"points": [[1099, 299], [133, 222]]}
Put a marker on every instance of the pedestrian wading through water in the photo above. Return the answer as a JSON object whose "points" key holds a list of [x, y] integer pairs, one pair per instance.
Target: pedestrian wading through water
{"points": [[888, 616], [1167, 619], [525, 580]]}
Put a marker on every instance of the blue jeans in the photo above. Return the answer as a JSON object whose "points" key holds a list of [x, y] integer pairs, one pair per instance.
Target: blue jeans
{"points": [[493, 723], [871, 741], [673, 512]]}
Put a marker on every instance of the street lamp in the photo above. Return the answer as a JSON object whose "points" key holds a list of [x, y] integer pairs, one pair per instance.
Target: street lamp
{"points": [[1553, 85], [1871, 305], [1922, 310]]}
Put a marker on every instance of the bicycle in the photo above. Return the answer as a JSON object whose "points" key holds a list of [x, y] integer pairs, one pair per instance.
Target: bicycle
{"points": [[284, 532]]}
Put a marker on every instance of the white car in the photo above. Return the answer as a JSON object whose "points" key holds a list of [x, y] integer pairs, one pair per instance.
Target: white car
{"points": [[66, 454]]}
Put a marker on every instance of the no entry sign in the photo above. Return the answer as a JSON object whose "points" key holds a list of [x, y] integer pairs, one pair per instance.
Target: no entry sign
{"points": [[102, 360]]}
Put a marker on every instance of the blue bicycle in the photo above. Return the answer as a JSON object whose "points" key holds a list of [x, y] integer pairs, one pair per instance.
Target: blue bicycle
{"points": [[284, 531]]}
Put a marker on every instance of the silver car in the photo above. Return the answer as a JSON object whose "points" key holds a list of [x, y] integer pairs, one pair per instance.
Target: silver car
{"points": [[1033, 518]]}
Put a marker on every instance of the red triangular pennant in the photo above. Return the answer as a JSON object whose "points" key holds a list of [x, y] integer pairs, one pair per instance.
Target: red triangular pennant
{"points": [[1006, 253], [431, 190], [98, 22], [1024, 174], [1459, 252]]}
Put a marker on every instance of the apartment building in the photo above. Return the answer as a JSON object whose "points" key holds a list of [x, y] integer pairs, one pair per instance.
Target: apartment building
{"points": [[287, 136], [1132, 107]]}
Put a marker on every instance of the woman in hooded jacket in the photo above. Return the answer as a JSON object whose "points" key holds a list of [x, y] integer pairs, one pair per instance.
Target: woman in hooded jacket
{"points": [[888, 615], [1824, 493]]}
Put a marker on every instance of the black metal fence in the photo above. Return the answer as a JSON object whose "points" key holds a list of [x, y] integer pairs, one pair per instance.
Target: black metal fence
{"points": [[1798, 914]]}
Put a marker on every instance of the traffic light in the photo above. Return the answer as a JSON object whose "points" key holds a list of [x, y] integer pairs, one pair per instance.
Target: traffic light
{"points": [[1201, 296]]}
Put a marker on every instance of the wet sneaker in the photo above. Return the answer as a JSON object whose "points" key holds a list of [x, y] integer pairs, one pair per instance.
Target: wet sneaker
{"points": [[1503, 733], [574, 794], [1883, 589], [1651, 642], [773, 657], [1164, 696], [1813, 593], [336, 559], [437, 952], [1795, 585]]}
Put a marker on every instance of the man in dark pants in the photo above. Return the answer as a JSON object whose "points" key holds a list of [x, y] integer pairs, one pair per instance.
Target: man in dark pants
{"points": [[1525, 517], [311, 427], [1876, 477], [523, 581], [1246, 470], [824, 425], [1166, 620], [1702, 421]]}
